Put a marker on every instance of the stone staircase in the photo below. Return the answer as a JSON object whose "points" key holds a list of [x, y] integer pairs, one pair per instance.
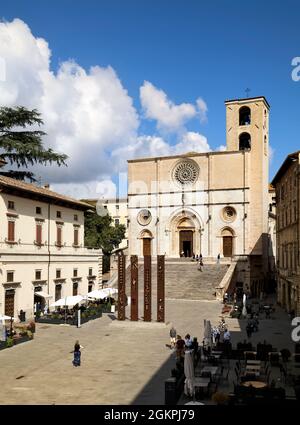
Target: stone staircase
{"points": [[183, 279]]}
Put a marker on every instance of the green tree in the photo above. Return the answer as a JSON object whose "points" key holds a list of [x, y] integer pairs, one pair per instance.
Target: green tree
{"points": [[100, 233], [22, 147]]}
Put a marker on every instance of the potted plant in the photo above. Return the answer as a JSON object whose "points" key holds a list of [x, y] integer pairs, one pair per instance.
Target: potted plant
{"points": [[30, 334], [220, 398], [31, 327], [9, 342]]}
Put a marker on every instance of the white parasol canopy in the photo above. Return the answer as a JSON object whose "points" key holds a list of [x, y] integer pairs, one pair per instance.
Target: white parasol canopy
{"points": [[3, 317], [244, 311], [43, 295], [69, 301], [207, 334], [100, 294], [189, 373]]}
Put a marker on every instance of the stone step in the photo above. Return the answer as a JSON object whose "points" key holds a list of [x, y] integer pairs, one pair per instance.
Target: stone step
{"points": [[184, 280]]}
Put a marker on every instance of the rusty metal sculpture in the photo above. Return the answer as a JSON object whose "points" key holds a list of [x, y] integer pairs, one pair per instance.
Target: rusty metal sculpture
{"points": [[147, 288], [134, 288], [160, 288], [121, 287]]}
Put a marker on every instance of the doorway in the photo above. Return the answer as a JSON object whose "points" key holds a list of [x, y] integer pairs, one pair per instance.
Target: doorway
{"points": [[227, 246], [186, 243], [9, 302], [146, 246]]}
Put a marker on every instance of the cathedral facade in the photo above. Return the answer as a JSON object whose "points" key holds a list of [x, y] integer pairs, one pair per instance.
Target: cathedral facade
{"points": [[213, 203]]}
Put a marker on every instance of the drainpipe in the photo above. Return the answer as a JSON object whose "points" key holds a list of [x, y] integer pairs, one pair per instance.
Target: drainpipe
{"points": [[244, 201], [49, 254]]}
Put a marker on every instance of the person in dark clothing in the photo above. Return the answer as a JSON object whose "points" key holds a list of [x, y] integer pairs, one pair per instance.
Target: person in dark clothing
{"points": [[77, 354]]}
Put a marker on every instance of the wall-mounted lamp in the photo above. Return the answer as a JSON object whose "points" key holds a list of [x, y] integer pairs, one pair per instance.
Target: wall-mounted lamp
{"points": [[157, 220], [245, 215]]}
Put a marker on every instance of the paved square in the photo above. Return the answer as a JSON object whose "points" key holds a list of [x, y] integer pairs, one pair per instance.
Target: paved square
{"points": [[121, 363]]}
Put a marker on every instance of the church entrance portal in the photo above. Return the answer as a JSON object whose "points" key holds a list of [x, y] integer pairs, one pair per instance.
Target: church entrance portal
{"points": [[186, 243], [227, 246]]}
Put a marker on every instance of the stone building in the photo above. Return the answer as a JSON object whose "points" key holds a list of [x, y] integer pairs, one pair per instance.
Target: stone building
{"points": [[42, 253], [287, 186], [210, 203], [117, 209]]}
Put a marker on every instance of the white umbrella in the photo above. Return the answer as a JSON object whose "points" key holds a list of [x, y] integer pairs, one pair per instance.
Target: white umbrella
{"points": [[244, 312], [100, 294], [69, 301], [189, 373], [207, 333], [2, 330], [6, 317]]}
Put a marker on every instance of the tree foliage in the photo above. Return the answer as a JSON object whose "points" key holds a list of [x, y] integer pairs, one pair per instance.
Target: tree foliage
{"points": [[100, 233], [22, 147]]}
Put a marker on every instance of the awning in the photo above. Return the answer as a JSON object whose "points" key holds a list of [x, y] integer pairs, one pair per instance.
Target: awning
{"points": [[102, 293], [43, 294], [69, 301], [6, 317]]}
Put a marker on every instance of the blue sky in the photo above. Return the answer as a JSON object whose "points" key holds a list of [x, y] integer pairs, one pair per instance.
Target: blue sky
{"points": [[188, 49]]}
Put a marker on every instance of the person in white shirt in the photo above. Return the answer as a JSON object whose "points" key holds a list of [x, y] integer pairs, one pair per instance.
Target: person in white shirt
{"points": [[226, 336]]}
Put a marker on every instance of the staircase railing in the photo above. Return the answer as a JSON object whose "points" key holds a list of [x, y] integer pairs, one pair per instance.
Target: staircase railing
{"points": [[225, 282]]}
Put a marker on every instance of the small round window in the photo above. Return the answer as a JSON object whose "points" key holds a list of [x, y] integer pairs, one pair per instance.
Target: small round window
{"points": [[229, 214], [144, 217]]}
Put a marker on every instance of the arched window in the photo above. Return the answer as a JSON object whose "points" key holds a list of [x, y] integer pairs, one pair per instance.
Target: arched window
{"points": [[245, 141], [245, 115]]}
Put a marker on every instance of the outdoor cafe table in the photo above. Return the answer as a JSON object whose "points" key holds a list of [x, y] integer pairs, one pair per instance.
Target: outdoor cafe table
{"points": [[254, 384], [200, 382], [212, 369], [254, 362], [255, 368]]}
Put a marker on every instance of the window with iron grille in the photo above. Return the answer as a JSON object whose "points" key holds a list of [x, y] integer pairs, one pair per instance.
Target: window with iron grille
{"points": [[38, 274], [11, 205]]}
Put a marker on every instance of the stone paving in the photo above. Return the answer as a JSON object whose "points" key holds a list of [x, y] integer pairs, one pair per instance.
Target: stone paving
{"points": [[121, 363]]}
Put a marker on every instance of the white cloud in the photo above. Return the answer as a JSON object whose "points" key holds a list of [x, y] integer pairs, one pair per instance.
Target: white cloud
{"points": [[202, 108], [151, 146], [157, 106], [87, 114], [192, 142], [89, 190], [271, 154], [221, 148]]}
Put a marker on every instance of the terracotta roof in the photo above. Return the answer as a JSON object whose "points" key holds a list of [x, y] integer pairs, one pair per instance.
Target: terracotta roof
{"points": [[8, 182]]}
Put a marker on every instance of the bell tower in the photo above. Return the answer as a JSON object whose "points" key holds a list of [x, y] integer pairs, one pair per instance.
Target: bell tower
{"points": [[247, 131]]}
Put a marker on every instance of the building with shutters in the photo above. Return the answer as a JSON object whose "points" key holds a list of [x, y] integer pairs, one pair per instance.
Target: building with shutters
{"points": [[42, 253], [208, 203], [287, 186]]}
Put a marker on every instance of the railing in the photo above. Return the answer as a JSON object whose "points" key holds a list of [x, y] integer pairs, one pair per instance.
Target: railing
{"points": [[225, 282]]}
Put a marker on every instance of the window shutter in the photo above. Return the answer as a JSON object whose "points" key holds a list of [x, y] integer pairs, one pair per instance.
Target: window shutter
{"points": [[75, 237], [39, 234], [59, 242], [11, 230]]}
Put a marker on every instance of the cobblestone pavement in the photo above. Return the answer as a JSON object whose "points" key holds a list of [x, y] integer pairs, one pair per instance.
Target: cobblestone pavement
{"points": [[121, 363]]}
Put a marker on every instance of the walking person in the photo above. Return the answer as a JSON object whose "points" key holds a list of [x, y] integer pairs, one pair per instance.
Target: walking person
{"points": [[77, 354], [173, 334], [218, 259], [249, 330]]}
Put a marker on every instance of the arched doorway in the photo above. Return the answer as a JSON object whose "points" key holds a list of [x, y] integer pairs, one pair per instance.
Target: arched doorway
{"points": [[146, 237], [227, 238], [186, 243]]}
